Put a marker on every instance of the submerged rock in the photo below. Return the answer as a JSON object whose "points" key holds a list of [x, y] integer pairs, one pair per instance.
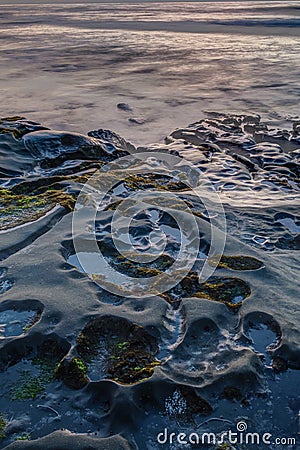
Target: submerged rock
{"points": [[124, 107], [17, 320], [43, 143], [137, 120]]}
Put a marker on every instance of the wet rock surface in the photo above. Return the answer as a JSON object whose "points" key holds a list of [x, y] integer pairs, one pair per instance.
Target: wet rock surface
{"points": [[116, 370]]}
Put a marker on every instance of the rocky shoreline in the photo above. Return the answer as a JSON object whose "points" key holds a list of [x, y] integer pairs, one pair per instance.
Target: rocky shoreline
{"points": [[83, 367]]}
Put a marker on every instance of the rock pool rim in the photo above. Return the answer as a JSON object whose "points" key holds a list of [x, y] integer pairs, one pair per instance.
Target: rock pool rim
{"points": [[111, 174]]}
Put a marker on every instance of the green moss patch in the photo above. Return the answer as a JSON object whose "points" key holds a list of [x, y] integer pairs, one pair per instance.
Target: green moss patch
{"points": [[34, 370], [225, 446], [23, 437]]}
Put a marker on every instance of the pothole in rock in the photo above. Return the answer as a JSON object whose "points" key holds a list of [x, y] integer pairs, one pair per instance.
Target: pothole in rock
{"points": [[238, 262], [184, 404], [112, 348], [150, 247], [172, 401], [264, 334], [204, 351], [88, 262], [32, 369], [149, 231], [290, 239], [91, 261], [5, 285], [230, 291], [288, 242], [288, 221], [3, 271], [18, 319]]}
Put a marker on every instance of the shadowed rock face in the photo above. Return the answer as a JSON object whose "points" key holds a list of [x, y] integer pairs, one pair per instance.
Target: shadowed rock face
{"points": [[76, 356]]}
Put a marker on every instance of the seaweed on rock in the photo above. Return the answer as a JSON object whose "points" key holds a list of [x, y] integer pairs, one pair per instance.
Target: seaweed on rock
{"points": [[126, 349], [230, 291], [135, 182], [72, 372], [239, 262], [18, 209]]}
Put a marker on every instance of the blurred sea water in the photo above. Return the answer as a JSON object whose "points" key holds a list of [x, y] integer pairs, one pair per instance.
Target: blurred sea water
{"points": [[68, 66]]}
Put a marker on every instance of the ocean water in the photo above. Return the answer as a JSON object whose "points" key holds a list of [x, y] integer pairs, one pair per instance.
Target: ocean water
{"points": [[68, 66]]}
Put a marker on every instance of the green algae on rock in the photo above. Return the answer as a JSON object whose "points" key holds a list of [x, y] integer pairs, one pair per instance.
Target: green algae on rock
{"points": [[140, 270], [31, 384], [230, 291], [29, 369], [238, 262], [134, 182], [225, 446], [19, 209], [23, 437], [72, 372], [127, 349]]}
